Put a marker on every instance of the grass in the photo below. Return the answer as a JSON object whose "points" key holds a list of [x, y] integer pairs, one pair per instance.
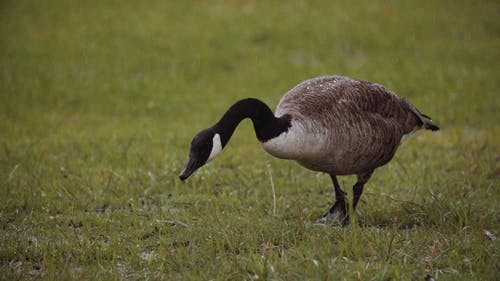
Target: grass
{"points": [[99, 101]]}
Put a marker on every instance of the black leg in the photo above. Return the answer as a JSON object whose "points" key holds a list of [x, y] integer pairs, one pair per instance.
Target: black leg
{"points": [[339, 193], [358, 187], [339, 211], [357, 190]]}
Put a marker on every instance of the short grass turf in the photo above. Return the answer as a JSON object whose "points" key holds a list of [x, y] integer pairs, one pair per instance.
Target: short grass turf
{"points": [[99, 101]]}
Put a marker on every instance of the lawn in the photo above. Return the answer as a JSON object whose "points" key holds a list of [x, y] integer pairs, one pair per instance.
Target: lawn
{"points": [[99, 101]]}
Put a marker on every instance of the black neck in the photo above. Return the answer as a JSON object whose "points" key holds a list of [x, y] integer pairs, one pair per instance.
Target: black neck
{"points": [[266, 125]]}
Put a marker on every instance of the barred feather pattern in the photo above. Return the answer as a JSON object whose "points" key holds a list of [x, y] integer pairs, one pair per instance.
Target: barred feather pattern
{"points": [[344, 126]]}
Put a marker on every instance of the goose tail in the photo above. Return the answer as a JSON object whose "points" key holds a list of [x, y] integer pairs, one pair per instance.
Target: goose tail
{"points": [[428, 124]]}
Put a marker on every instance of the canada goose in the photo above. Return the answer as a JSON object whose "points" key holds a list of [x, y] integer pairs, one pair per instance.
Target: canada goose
{"points": [[331, 124]]}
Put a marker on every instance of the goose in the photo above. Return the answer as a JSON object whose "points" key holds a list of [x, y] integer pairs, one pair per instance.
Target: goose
{"points": [[331, 124]]}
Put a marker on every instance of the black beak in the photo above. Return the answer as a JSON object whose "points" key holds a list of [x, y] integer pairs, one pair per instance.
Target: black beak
{"points": [[191, 167]]}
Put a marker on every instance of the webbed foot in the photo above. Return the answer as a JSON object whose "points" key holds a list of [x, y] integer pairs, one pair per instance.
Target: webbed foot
{"points": [[338, 214]]}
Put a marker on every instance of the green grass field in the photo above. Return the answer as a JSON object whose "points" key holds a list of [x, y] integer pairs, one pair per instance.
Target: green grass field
{"points": [[99, 101]]}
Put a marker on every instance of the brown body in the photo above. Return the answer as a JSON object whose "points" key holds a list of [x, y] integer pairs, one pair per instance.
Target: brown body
{"points": [[344, 126]]}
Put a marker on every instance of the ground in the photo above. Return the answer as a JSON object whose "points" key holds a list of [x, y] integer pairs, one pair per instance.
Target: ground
{"points": [[99, 101]]}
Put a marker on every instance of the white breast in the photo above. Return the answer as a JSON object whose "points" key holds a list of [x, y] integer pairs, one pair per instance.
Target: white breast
{"points": [[297, 143]]}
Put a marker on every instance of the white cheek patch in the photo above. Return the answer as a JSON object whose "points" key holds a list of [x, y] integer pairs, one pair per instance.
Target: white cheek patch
{"points": [[216, 147]]}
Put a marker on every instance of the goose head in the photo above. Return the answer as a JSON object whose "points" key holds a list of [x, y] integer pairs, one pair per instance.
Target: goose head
{"points": [[205, 146]]}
